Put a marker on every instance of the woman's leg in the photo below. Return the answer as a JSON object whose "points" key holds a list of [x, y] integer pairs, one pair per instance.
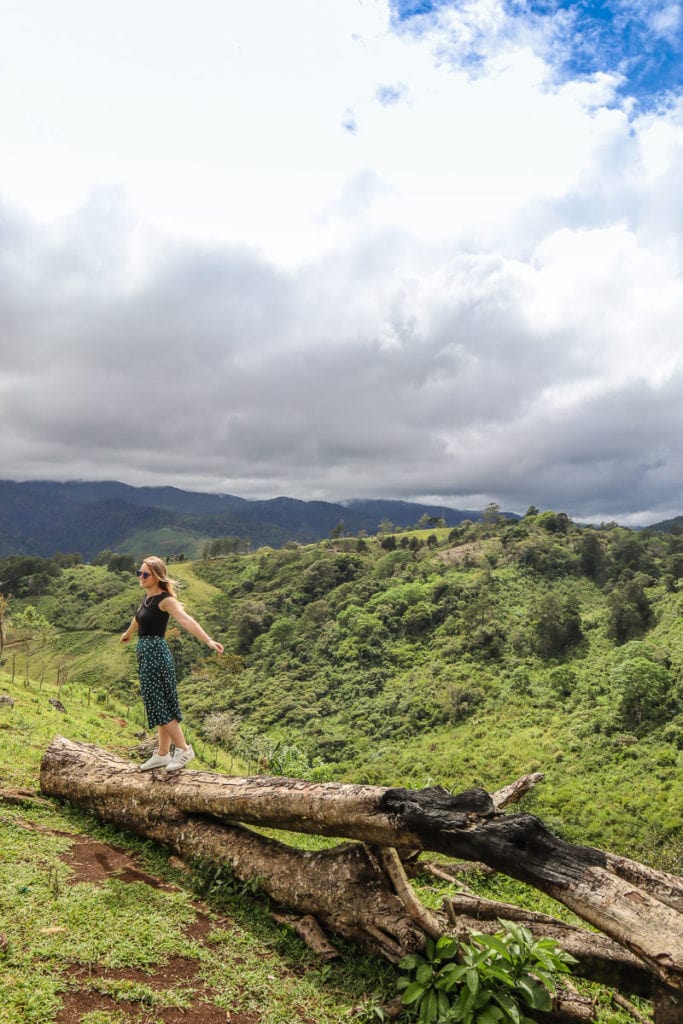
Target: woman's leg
{"points": [[163, 741], [171, 733]]}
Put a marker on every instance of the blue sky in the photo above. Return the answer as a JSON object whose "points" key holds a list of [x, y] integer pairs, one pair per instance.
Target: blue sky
{"points": [[640, 40], [349, 248]]}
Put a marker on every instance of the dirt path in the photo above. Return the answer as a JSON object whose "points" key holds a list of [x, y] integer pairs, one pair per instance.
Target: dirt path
{"points": [[95, 862]]}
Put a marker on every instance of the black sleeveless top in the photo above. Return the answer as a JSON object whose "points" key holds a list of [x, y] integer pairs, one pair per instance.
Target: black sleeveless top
{"points": [[150, 618]]}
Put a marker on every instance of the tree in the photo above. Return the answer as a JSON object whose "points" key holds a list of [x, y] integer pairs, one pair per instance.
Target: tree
{"points": [[557, 625], [553, 522], [227, 545], [251, 620], [337, 531], [426, 522], [222, 727], [33, 628], [491, 514], [630, 612], [644, 691], [591, 555], [121, 563]]}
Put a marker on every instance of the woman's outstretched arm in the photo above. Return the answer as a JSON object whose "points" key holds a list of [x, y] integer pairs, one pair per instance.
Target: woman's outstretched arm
{"points": [[177, 612]]}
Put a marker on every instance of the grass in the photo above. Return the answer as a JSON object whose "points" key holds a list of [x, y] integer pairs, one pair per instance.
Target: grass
{"points": [[51, 927], [195, 590]]}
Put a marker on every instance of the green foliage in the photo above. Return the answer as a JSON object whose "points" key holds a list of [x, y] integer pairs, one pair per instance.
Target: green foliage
{"points": [[33, 626], [405, 667], [116, 562], [553, 522], [252, 619], [224, 546], [644, 693], [491, 980], [464, 664], [630, 611], [557, 624], [28, 576]]}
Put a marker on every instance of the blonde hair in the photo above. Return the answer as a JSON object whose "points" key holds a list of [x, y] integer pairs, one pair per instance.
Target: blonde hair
{"points": [[157, 567]]}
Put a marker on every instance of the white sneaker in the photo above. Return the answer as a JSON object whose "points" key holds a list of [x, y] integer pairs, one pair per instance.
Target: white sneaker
{"points": [[157, 760], [180, 759]]}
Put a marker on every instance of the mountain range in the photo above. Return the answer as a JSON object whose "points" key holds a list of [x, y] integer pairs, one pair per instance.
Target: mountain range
{"points": [[42, 517]]}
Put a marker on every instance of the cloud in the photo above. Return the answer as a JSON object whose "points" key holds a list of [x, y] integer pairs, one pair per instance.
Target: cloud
{"points": [[554, 379], [475, 294]]}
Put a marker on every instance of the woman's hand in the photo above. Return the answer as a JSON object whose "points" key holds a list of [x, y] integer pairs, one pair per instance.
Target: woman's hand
{"points": [[215, 646], [124, 638]]}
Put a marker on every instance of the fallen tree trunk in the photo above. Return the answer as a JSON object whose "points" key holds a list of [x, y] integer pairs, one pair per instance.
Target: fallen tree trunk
{"points": [[174, 809]]}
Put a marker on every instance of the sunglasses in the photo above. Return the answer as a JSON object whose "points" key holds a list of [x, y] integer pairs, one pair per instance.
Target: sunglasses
{"points": [[145, 575]]}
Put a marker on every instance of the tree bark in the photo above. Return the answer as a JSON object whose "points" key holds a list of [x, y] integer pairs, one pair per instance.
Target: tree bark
{"points": [[668, 1006], [175, 809]]}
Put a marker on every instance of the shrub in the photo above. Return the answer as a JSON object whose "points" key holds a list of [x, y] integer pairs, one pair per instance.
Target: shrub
{"points": [[222, 727], [490, 980]]}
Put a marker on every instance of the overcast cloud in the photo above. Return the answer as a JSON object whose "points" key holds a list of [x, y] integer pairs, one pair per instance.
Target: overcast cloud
{"points": [[333, 249]]}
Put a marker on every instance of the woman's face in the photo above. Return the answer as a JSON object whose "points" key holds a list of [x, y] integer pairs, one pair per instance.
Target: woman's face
{"points": [[146, 577]]}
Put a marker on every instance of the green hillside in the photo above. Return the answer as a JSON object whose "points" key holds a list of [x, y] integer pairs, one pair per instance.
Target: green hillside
{"points": [[461, 657], [465, 656], [472, 656]]}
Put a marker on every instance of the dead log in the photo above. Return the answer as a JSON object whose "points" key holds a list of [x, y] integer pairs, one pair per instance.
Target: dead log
{"points": [[568, 1008], [625, 1004], [516, 790], [668, 1006], [464, 826], [667, 888], [344, 888], [310, 932]]}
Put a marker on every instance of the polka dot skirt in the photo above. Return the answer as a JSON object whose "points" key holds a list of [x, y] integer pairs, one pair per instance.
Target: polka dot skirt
{"points": [[157, 680]]}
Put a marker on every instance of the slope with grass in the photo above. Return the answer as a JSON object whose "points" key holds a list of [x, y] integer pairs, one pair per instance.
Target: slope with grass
{"points": [[98, 927]]}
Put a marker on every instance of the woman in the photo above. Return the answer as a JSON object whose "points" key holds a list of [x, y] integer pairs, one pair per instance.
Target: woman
{"points": [[155, 663]]}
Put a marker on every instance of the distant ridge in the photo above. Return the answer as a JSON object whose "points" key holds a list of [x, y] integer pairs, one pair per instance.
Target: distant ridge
{"points": [[41, 517], [397, 511], [666, 525]]}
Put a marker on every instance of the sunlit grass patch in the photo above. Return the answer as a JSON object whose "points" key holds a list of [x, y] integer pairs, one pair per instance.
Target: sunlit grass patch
{"points": [[28, 998], [118, 924], [136, 992]]}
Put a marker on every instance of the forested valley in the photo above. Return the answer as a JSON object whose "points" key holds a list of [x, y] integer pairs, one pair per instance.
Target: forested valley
{"points": [[463, 657]]}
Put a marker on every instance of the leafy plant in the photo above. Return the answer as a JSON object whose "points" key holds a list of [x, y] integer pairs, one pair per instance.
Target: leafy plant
{"points": [[490, 980]]}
